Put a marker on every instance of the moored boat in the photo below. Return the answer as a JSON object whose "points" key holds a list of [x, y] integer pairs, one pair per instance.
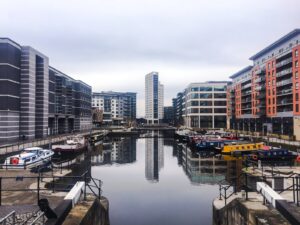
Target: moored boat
{"points": [[73, 144], [28, 158], [272, 154], [239, 149]]}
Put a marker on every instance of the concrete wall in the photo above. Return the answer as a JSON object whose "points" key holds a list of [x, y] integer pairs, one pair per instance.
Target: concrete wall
{"points": [[238, 212], [90, 212]]}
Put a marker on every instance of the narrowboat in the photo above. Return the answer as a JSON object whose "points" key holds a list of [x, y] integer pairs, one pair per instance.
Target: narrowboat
{"points": [[28, 158], [239, 149], [272, 154]]}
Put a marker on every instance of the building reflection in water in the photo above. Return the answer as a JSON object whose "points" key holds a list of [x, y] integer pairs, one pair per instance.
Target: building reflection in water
{"points": [[154, 157], [119, 150], [200, 167]]}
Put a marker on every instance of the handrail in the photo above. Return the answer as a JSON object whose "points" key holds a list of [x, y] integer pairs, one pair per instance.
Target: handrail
{"points": [[37, 218], [12, 213], [56, 184]]}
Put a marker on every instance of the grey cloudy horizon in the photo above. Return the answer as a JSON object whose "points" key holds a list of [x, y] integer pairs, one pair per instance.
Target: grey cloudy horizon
{"points": [[113, 44]]}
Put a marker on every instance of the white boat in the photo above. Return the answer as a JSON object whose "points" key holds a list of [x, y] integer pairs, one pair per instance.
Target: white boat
{"points": [[72, 144], [28, 158]]}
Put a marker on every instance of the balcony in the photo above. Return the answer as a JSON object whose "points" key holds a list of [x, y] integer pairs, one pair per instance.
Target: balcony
{"points": [[284, 92], [247, 100], [246, 86], [284, 82], [246, 93], [284, 72], [284, 62], [285, 102], [260, 79]]}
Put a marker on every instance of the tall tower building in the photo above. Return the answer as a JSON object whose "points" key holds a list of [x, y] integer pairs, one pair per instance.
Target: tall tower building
{"points": [[154, 98]]}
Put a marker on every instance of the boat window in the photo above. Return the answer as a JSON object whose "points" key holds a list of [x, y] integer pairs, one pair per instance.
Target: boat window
{"points": [[27, 160]]}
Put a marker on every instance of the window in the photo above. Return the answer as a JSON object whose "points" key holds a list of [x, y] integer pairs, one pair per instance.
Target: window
{"points": [[205, 95], [219, 95], [194, 89], [219, 88], [205, 88], [205, 110], [297, 107], [194, 103], [220, 110], [296, 74], [296, 53], [297, 86], [296, 64]]}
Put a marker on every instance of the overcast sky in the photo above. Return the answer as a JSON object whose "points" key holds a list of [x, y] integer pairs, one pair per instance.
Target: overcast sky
{"points": [[112, 44]]}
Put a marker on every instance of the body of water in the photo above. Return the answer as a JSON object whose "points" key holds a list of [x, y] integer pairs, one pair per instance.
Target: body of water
{"points": [[156, 181]]}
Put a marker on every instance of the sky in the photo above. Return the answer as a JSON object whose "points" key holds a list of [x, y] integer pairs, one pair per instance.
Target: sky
{"points": [[113, 44]]}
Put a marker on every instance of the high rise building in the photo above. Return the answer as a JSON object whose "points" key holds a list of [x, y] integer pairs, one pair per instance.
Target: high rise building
{"points": [[116, 107], [31, 97], [264, 97], [154, 98]]}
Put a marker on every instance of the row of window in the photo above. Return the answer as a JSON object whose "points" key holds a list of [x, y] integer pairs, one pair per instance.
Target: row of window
{"points": [[207, 110], [223, 88], [206, 103], [206, 95]]}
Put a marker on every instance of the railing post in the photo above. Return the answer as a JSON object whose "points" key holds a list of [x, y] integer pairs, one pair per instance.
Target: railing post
{"points": [[294, 189], [99, 189], [85, 183], [38, 189], [225, 196], [297, 188], [246, 186], [0, 191], [220, 192], [53, 184]]}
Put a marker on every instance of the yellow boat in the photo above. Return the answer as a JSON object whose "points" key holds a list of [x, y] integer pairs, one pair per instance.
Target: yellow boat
{"points": [[243, 148]]}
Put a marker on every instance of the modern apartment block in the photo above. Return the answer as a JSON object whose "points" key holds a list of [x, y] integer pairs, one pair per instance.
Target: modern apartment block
{"points": [[154, 98], [116, 107], [203, 105], [168, 115], [69, 103], [264, 97], [179, 108], [29, 93]]}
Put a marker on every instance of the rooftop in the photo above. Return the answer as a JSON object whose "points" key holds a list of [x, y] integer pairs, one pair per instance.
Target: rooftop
{"points": [[241, 72], [277, 43]]}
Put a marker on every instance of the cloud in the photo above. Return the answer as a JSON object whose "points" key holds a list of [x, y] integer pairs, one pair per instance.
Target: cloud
{"points": [[112, 44]]}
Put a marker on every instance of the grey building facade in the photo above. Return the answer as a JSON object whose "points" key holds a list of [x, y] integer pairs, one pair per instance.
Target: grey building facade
{"points": [[30, 97]]}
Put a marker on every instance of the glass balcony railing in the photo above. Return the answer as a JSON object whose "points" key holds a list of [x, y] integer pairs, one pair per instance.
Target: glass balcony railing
{"points": [[284, 82]]}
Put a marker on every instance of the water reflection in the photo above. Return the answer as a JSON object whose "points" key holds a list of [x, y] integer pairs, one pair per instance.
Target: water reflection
{"points": [[154, 158], [116, 150], [201, 167], [154, 180]]}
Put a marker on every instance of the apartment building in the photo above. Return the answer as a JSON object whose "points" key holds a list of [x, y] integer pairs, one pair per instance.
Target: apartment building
{"points": [[264, 97], [178, 105], [116, 107], [154, 98], [203, 105], [28, 93]]}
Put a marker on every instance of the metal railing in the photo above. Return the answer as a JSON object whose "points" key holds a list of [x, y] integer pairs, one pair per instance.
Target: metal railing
{"points": [[226, 190], [54, 184]]}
